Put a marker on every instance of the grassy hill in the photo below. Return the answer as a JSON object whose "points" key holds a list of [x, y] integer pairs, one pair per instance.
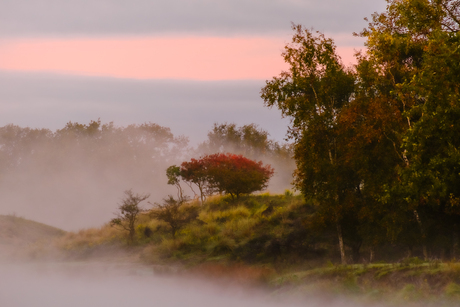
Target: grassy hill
{"points": [[19, 236], [264, 239], [257, 229], [270, 240]]}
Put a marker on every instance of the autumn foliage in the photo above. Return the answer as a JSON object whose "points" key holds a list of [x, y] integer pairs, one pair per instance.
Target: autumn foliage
{"points": [[235, 174], [226, 173], [376, 144]]}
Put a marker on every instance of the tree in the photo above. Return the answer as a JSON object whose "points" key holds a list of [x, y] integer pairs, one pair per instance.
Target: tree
{"points": [[254, 143], [406, 101], [312, 93], [129, 213], [235, 174], [174, 213], [430, 180], [173, 173], [378, 144], [248, 140], [196, 172], [224, 173]]}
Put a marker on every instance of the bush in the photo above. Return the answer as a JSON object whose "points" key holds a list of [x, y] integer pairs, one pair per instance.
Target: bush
{"points": [[174, 213]]}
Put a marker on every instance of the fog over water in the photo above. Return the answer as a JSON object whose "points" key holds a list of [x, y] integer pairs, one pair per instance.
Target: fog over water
{"points": [[76, 285]]}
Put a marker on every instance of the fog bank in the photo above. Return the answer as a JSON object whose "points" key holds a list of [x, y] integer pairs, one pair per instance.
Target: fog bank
{"points": [[77, 285], [75, 177]]}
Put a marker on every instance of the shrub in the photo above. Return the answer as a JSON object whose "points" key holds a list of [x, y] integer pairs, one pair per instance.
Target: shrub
{"points": [[174, 213]]}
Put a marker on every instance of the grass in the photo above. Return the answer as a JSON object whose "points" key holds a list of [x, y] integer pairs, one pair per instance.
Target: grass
{"points": [[243, 230], [434, 286], [268, 239]]}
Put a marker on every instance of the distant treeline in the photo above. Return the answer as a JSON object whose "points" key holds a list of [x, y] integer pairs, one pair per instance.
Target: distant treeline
{"points": [[73, 177], [377, 145]]}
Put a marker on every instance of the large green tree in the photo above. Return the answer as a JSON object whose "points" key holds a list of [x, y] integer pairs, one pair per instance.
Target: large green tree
{"points": [[312, 93], [412, 71], [376, 145], [431, 178]]}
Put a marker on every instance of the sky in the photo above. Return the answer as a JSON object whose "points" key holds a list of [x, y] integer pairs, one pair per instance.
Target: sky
{"points": [[183, 64]]}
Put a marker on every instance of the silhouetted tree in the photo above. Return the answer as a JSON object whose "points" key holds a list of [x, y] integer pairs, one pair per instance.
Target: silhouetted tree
{"points": [[129, 213]]}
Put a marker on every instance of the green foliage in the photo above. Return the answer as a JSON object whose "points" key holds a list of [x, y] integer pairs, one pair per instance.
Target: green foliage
{"points": [[410, 293], [255, 229], [174, 175], [313, 92], [175, 213], [413, 260], [452, 290], [376, 145]]}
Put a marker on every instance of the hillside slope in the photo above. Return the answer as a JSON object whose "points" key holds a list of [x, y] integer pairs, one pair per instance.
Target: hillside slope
{"points": [[17, 235]]}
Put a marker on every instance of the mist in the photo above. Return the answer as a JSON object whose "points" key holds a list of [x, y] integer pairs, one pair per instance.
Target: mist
{"points": [[115, 285], [75, 177], [187, 107]]}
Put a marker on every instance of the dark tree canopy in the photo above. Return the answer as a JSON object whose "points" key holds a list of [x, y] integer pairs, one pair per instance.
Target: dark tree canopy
{"points": [[376, 144]]}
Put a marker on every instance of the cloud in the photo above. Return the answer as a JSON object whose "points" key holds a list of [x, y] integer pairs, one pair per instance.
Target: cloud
{"points": [[199, 58], [188, 107], [164, 17]]}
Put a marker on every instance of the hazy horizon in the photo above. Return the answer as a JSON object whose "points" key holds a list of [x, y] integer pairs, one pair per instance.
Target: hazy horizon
{"points": [[181, 64]]}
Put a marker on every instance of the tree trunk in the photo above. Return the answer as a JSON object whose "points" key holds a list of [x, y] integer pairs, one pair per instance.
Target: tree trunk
{"points": [[425, 252], [454, 242], [131, 235], [201, 194], [342, 248], [409, 251], [371, 255], [356, 254]]}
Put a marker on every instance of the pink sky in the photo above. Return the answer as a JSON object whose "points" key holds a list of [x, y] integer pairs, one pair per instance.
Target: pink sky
{"points": [[196, 58]]}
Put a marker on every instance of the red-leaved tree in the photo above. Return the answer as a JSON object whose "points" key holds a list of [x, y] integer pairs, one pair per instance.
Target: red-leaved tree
{"points": [[236, 175], [226, 173], [195, 172]]}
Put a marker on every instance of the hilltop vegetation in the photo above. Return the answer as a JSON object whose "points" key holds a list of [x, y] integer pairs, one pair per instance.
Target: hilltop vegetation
{"points": [[254, 229], [272, 240], [279, 231]]}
